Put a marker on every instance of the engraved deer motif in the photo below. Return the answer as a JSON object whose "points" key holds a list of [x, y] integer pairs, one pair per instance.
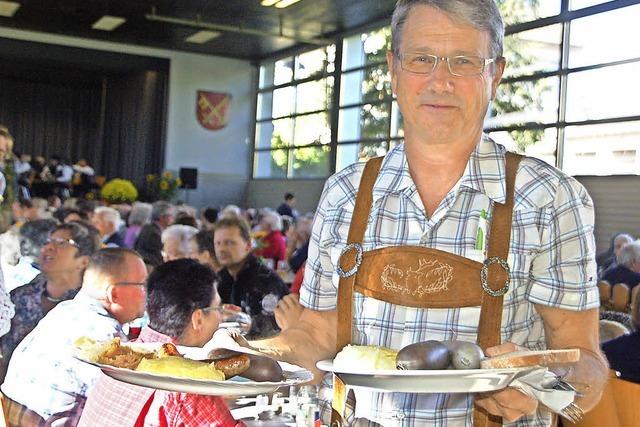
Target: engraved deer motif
{"points": [[429, 277]]}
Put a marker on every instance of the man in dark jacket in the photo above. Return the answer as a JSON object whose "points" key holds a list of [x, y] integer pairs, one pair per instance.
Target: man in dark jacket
{"points": [[627, 267], [149, 242], [623, 353], [244, 280]]}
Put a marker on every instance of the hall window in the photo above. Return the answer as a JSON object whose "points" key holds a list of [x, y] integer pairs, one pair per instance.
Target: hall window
{"points": [[568, 95]]}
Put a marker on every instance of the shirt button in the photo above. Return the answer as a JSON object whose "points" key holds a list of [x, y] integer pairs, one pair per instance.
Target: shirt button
{"points": [[398, 414]]}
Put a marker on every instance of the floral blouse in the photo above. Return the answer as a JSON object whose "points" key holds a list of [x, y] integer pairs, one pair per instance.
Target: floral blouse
{"points": [[27, 300]]}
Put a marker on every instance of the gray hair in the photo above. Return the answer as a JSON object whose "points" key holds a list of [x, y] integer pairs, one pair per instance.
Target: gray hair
{"points": [[272, 219], [108, 214], [160, 209], [140, 213], [629, 254], [33, 236], [180, 232], [481, 14]]}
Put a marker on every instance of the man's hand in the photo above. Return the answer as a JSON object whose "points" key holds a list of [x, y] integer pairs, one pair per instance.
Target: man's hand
{"points": [[288, 311], [509, 403]]}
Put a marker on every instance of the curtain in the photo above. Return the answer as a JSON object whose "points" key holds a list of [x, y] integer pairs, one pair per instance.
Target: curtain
{"points": [[115, 121]]}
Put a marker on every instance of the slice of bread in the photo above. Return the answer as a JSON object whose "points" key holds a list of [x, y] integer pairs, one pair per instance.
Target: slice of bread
{"points": [[519, 359]]}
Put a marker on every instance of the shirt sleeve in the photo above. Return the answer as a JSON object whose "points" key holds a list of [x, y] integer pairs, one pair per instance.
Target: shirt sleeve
{"points": [[328, 235], [563, 272]]}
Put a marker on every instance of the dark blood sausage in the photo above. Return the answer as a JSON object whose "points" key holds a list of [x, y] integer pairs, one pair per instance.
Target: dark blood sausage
{"points": [[263, 368]]}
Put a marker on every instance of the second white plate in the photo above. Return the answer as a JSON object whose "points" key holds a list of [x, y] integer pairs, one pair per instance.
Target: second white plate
{"points": [[427, 381]]}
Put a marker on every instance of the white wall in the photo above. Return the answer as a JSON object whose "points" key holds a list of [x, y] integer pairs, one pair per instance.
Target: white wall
{"points": [[222, 157]]}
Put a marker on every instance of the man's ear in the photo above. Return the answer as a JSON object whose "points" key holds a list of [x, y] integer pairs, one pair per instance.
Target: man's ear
{"points": [[391, 64], [497, 76], [112, 294], [197, 320], [83, 262]]}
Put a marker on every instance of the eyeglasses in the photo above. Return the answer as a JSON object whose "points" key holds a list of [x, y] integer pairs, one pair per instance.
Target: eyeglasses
{"points": [[219, 309], [462, 65], [60, 242], [143, 284]]}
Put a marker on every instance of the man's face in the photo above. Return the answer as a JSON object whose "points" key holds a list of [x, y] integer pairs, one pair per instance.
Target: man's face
{"points": [[131, 284], [194, 253], [231, 249], [59, 255], [172, 249], [212, 321], [440, 107], [619, 243], [104, 227]]}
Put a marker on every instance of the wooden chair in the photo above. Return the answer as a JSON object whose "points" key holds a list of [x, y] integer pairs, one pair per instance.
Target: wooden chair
{"points": [[617, 408], [604, 288], [634, 298], [620, 296]]}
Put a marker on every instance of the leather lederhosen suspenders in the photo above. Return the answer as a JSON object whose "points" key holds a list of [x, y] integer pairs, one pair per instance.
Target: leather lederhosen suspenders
{"points": [[421, 277]]}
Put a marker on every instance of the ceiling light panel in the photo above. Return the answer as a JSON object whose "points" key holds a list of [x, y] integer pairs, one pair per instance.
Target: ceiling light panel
{"points": [[284, 3], [108, 23], [202, 37], [8, 8], [269, 2]]}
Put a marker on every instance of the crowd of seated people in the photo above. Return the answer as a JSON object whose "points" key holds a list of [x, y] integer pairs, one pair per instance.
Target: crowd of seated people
{"points": [[75, 268], [38, 177]]}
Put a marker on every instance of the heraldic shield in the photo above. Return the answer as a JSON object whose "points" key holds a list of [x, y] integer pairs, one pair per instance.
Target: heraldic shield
{"points": [[212, 109]]}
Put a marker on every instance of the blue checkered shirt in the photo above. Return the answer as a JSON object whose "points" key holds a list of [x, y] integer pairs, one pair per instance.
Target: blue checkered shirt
{"points": [[552, 260], [43, 375]]}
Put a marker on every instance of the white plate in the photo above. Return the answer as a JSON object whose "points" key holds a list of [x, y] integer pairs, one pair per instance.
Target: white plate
{"points": [[427, 381], [236, 386]]}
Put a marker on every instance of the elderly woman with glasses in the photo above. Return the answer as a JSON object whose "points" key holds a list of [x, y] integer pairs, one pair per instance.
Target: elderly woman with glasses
{"points": [[63, 260]]}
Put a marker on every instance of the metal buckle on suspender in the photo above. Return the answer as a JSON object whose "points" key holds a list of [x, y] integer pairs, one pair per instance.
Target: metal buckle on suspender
{"points": [[485, 270], [354, 269]]}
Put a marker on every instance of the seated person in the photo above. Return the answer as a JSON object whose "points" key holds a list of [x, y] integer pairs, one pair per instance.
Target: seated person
{"points": [[183, 315], [44, 382], [608, 258], [32, 236], [175, 241], [298, 243], [202, 250], [245, 281], [627, 268], [107, 220], [623, 353], [149, 241], [274, 244], [63, 260]]}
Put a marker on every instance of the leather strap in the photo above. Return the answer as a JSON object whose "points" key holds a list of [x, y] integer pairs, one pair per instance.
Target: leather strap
{"points": [[491, 309], [357, 228], [491, 306]]}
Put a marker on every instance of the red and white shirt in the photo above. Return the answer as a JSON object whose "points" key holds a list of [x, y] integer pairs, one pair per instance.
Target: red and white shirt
{"points": [[114, 403]]}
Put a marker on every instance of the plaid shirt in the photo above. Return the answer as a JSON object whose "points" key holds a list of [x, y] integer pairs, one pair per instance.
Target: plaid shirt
{"points": [[551, 257], [114, 403], [43, 375]]}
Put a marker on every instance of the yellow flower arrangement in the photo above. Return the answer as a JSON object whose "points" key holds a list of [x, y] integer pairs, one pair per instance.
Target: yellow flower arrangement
{"points": [[161, 187], [119, 191]]}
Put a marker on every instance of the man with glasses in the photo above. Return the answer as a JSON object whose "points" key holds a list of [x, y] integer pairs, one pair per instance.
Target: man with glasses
{"points": [[433, 194], [183, 313], [44, 382]]}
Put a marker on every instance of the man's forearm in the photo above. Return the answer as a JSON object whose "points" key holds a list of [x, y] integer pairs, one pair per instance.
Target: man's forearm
{"points": [[313, 338]]}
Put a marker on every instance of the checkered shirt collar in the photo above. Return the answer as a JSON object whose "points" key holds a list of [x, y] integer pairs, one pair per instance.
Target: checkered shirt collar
{"points": [[485, 172]]}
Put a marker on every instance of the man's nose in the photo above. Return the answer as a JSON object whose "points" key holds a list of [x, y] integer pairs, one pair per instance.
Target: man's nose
{"points": [[440, 78]]}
